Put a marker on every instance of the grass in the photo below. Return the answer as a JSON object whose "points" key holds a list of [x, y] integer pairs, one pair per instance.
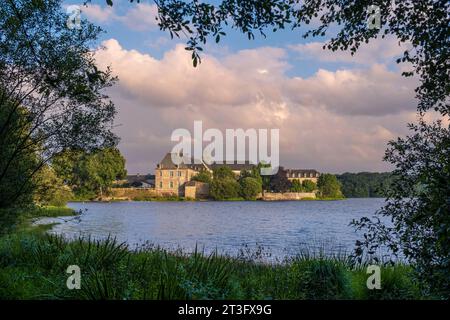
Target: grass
{"points": [[33, 265]]}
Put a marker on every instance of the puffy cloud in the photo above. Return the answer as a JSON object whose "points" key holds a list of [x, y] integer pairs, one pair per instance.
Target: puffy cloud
{"points": [[333, 121], [374, 91], [139, 17], [376, 51], [98, 13]]}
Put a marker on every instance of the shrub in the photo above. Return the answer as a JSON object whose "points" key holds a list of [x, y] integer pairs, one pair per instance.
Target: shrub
{"points": [[308, 186], [296, 186], [222, 189], [203, 176], [250, 188], [329, 186]]}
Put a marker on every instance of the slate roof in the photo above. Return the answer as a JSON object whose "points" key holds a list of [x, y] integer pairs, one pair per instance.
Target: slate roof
{"points": [[186, 163]]}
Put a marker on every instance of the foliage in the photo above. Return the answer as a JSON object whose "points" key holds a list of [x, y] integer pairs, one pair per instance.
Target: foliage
{"points": [[279, 181], [223, 172], [47, 73], [90, 173], [225, 188], [51, 191], [16, 185], [418, 205], [304, 186], [365, 184], [296, 186], [308, 185], [203, 176], [250, 188], [329, 186]]}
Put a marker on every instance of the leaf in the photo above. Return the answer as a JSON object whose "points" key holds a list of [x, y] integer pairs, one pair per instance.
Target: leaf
{"points": [[109, 3]]}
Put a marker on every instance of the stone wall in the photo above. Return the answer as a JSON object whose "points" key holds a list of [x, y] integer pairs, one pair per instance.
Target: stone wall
{"points": [[196, 190], [268, 196], [132, 193]]}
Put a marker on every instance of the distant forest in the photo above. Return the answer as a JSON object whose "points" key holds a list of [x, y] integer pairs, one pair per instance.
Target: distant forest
{"points": [[365, 184]]}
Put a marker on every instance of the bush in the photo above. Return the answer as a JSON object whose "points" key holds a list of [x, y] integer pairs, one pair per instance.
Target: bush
{"points": [[250, 188], [203, 176], [308, 186], [329, 186], [296, 186], [222, 189]]}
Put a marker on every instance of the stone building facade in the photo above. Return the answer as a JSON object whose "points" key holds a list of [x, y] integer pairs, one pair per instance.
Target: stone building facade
{"points": [[170, 178], [302, 174], [173, 179]]}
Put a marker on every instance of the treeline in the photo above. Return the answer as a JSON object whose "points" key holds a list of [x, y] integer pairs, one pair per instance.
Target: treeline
{"points": [[225, 185], [365, 184]]}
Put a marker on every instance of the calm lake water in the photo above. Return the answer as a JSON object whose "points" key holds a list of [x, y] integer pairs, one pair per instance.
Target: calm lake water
{"points": [[282, 228]]}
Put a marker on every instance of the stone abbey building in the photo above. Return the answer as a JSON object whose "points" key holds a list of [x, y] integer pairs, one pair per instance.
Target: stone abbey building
{"points": [[173, 179]]}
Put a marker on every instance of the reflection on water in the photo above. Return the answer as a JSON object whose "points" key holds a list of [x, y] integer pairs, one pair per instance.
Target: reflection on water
{"points": [[282, 227]]}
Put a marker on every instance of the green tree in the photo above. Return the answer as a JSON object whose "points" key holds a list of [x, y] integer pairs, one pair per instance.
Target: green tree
{"points": [[308, 186], [265, 179], [296, 186], [365, 184], [50, 190], [90, 174], [203, 176], [48, 72], [222, 189], [329, 186], [418, 205], [223, 172], [16, 186], [250, 188], [279, 181]]}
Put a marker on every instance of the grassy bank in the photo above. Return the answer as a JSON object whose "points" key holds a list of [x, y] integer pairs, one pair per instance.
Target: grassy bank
{"points": [[33, 265]]}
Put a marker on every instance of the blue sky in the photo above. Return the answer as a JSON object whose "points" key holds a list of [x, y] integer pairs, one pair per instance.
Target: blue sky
{"points": [[335, 112]]}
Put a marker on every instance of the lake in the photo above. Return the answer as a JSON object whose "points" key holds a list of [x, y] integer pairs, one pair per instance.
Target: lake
{"points": [[282, 228]]}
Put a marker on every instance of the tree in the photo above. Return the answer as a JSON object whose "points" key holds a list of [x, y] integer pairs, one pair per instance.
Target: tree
{"points": [[418, 205], [296, 186], [250, 188], [90, 174], [222, 189], [365, 184], [50, 190], [329, 186], [308, 186], [15, 188], [203, 176], [279, 181], [48, 73], [223, 172]]}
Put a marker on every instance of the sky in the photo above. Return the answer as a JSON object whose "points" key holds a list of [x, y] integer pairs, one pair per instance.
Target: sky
{"points": [[335, 112]]}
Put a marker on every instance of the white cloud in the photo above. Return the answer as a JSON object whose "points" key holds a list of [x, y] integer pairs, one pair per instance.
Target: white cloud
{"points": [[139, 17], [376, 51], [332, 121]]}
